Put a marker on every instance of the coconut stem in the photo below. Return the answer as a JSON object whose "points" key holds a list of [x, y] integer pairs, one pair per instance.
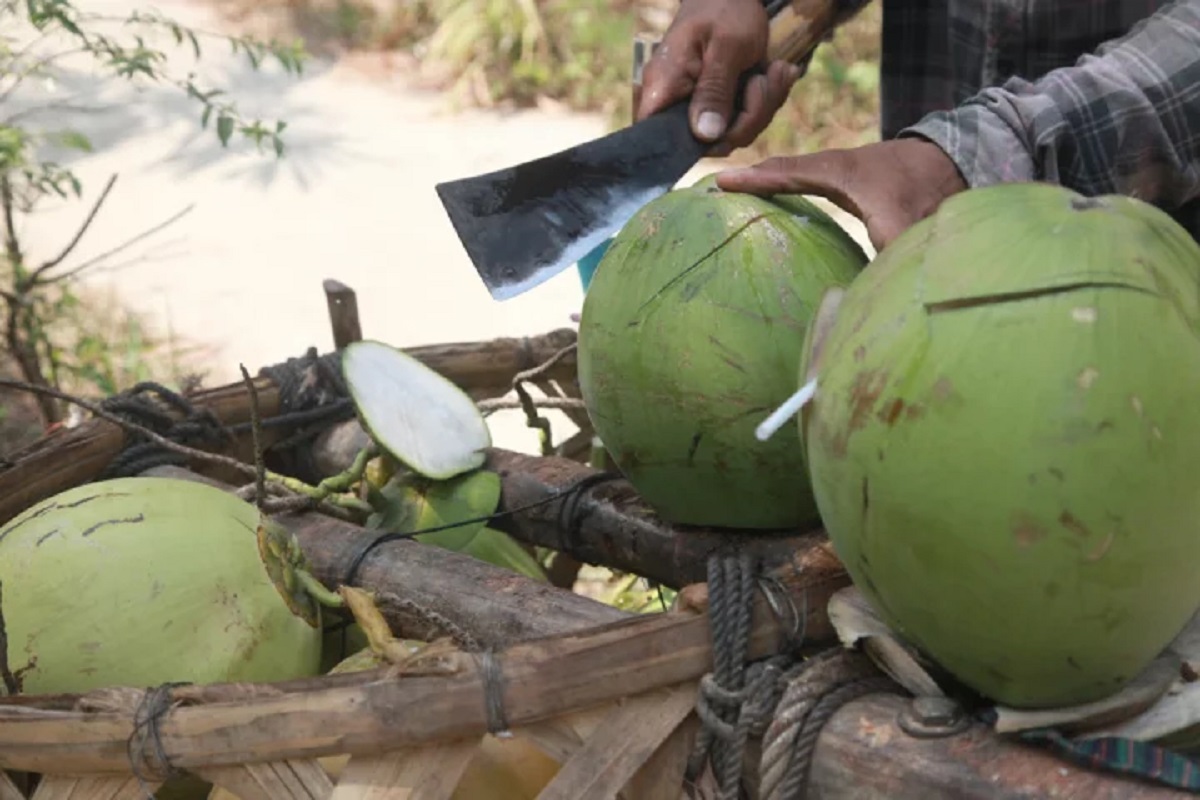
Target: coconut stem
{"points": [[319, 494], [344, 481], [317, 590], [790, 408], [367, 615]]}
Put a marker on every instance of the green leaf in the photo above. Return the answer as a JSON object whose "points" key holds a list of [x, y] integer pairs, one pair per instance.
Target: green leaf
{"points": [[498, 548], [224, 129], [74, 140], [411, 503]]}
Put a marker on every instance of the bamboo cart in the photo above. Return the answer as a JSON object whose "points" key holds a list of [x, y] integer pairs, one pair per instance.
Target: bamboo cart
{"points": [[610, 697]]}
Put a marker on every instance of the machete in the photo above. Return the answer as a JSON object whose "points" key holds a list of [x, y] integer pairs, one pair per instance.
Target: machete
{"points": [[523, 225]]}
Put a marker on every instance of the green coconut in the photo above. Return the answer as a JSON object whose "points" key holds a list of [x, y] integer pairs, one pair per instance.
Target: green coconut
{"points": [[690, 335], [145, 581], [1005, 438]]}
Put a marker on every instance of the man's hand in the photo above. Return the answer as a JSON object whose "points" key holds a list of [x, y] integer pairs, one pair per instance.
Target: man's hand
{"points": [[709, 45], [889, 185]]}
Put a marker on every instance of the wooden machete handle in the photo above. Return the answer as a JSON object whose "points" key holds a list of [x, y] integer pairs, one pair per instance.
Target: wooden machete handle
{"points": [[794, 32], [798, 27]]}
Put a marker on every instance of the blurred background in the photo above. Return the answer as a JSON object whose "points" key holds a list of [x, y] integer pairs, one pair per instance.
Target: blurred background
{"points": [[152, 231]]}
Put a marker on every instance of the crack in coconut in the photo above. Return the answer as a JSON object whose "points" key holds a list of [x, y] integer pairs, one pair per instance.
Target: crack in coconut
{"points": [[97, 526], [21, 519], [683, 273], [958, 304]]}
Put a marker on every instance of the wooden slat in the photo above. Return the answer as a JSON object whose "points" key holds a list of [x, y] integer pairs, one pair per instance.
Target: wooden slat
{"points": [[424, 773], [93, 787], [627, 738], [8, 789], [542, 679], [301, 779]]}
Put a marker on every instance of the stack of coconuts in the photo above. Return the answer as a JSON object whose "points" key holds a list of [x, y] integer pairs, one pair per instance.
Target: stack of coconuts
{"points": [[1004, 442]]}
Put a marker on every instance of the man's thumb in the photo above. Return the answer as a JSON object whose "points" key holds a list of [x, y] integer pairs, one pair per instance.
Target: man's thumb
{"points": [[712, 100]]}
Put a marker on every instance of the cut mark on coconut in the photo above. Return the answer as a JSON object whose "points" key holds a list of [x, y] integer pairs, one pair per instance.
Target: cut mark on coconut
{"points": [[696, 264], [1082, 203], [790, 408], [960, 303], [1085, 315], [49, 507], [136, 518]]}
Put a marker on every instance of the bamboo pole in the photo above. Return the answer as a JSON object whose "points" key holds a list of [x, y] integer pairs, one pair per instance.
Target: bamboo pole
{"points": [[71, 457]]}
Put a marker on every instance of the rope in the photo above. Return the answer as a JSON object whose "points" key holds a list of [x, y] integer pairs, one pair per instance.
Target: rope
{"points": [[724, 705], [577, 506], [145, 745], [816, 690], [312, 394], [783, 700], [149, 404], [492, 678], [564, 494]]}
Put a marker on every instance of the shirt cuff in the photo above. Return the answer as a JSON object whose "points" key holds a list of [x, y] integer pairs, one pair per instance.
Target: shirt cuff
{"points": [[981, 144]]}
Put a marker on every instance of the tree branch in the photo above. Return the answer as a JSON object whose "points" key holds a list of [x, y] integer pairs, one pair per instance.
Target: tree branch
{"points": [[19, 76], [62, 276], [71, 245], [23, 352], [12, 245]]}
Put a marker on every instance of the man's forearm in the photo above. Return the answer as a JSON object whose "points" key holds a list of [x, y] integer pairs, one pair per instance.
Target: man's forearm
{"points": [[1125, 120]]}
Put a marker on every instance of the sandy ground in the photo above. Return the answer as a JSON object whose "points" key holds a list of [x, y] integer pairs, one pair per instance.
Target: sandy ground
{"points": [[353, 200]]}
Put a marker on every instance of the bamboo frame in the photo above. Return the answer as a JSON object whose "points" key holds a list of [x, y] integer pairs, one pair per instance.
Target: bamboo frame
{"points": [[607, 696]]}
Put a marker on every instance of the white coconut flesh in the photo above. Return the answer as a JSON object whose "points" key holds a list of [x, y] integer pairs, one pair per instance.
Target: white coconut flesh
{"points": [[416, 415]]}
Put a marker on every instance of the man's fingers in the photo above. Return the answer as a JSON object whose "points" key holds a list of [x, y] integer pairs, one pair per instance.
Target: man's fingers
{"points": [[829, 174], [755, 114], [765, 95], [712, 100], [885, 226], [781, 77], [792, 174], [670, 74]]}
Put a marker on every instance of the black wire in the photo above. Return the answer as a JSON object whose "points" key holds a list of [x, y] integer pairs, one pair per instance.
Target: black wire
{"points": [[578, 486]]}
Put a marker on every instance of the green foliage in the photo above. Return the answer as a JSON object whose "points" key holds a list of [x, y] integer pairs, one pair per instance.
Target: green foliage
{"points": [[52, 338], [579, 53], [575, 51], [836, 104]]}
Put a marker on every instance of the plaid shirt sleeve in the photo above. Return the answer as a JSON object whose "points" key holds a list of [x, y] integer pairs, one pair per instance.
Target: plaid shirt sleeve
{"points": [[1125, 120]]}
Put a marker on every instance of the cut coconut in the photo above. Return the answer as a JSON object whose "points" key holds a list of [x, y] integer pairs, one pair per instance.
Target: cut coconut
{"points": [[418, 416]]}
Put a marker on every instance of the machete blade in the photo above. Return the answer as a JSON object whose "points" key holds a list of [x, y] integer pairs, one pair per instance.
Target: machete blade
{"points": [[523, 225]]}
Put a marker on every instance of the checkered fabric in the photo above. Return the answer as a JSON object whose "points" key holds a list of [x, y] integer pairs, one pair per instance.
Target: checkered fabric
{"points": [[1102, 96]]}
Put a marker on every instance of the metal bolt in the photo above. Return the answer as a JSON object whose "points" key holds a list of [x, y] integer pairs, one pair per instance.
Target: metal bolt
{"points": [[933, 717], [936, 710]]}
